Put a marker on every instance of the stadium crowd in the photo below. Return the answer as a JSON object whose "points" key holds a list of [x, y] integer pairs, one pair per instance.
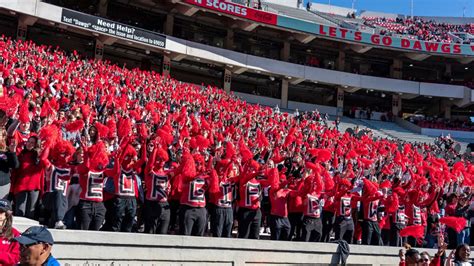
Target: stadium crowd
{"points": [[86, 144], [418, 28]]}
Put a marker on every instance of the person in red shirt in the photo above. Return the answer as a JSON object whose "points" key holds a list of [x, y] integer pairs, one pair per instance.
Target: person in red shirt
{"points": [[221, 196], [157, 184], [250, 190], [371, 234], [126, 168], [344, 224], [27, 180], [57, 175], [9, 250], [91, 208], [279, 224], [295, 208], [313, 202], [194, 184]]}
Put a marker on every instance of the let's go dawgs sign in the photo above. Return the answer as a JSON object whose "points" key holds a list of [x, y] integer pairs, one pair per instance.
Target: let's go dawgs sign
{"points": [[388, 41], [333, 32], [236, 10]]}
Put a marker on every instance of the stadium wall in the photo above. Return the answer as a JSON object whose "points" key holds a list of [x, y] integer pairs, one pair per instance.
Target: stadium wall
{"points": [[105, 248]]}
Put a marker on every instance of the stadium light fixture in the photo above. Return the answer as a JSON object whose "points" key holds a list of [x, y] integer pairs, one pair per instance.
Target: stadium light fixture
{"points": [[411, 65], [466, 68], [272, 78], [288, 77]]}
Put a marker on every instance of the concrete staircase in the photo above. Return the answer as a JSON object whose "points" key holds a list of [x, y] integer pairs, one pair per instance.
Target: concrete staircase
{"points": [[396, 132]]}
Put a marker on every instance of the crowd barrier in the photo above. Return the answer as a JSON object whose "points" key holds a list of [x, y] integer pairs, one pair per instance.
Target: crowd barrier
{"points": [[74, 247]]}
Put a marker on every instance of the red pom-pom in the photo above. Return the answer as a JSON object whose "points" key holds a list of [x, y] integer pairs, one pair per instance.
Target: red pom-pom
{"points": [[24, 113], [143, 130], [50, 135], [370, 188], [63, 148], [245, 151], [456, 223], [125, 128], [130, 151], [416, 231], [188, 166], [112, 126], [165, 137], [229, 150], [77, 125], [102, 130], [98, 157], [162, 155]]}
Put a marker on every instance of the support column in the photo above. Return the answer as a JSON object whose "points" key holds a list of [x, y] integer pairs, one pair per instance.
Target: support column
{"points": [[396, 69], [341, 61], [284, 93], [166, 66], [229, 39], [21, 31], [340, 101], [448, 72], [396, 105], [169, 24], [447, 111], [99, 49], [285, 51], [227, 79], [102, 7]]}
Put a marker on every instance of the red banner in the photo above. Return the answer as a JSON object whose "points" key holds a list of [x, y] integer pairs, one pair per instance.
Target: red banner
{"points": [[236, 10]]}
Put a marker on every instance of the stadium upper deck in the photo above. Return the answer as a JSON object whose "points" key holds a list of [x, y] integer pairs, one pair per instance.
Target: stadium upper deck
{"points": [[278, 55]]}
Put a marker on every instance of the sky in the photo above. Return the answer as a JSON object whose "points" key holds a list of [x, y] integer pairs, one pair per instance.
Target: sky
{"points": [[445, 8]]}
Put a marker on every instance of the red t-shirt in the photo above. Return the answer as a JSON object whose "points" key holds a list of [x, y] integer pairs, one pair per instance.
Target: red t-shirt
{"points": [[279, 202], [157, 186], [313, 205], [225, 196], [92, 184], [193, 193], [250, 194], [124, 183], [57, 179]]}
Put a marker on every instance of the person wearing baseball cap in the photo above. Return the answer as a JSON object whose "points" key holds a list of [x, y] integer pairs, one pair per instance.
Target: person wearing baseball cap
{"points": [[35, 247], [9, 249]]}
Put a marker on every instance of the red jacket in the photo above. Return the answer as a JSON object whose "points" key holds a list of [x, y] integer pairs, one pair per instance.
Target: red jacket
{"points": [[10, 250]]}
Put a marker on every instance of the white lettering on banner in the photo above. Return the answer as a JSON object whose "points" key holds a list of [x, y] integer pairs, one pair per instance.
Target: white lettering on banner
{"points": [[125, 28], [227, 7], [82, 24], [106, 24], [113, 28]]}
